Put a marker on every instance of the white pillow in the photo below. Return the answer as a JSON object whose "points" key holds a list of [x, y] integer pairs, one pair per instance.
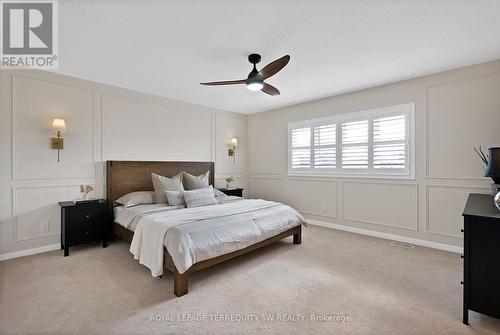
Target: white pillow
{"points": [[218, 193], [191, 182], [137, 198], [200, 197], [162, 184], [175, 198]]}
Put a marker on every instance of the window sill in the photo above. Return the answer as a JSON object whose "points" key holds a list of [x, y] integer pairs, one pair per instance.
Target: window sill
{"points": [[351, 175]]}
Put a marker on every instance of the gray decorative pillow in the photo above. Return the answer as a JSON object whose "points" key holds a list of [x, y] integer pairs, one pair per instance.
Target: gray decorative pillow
{"points": [[191, 182], [200, 197], [162, 184], [175, 198]]}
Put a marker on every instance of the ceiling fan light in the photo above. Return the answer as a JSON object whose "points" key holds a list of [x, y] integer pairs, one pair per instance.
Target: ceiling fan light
{"points": [[255, 85]]}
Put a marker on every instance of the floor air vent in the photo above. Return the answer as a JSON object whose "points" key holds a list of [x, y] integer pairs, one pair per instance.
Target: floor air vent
{"points": [[402, 245]]}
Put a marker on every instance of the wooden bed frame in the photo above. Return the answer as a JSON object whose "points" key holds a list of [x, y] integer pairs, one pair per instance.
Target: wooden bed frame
{"points": [[123, 177]]}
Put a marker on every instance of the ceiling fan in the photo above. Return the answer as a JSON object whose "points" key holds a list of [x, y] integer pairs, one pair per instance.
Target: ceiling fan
{"points": [[255, 79]]}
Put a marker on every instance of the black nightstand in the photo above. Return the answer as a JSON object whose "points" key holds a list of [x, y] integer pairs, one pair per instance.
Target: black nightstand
{"points": [[232, 191], [83, 223]]}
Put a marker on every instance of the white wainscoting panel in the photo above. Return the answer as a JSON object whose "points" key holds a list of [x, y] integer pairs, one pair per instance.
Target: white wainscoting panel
{"points": [[316, 197], [35, 104], [268, 188], [461, 115], [445, 205], [385, 204], [34, 205], [135, 129]]}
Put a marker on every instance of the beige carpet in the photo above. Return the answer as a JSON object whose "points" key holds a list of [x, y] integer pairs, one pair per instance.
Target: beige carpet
{"points": [[368, 285]]}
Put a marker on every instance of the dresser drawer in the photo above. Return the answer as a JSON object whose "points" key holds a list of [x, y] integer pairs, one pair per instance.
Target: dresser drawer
{"points": [[86, 224]]}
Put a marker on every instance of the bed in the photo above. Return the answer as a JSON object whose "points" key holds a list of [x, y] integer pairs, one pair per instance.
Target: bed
{"points": [[123, 177]]}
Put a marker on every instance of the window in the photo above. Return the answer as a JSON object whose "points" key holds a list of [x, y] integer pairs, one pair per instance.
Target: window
{"points": [[373, 143]]}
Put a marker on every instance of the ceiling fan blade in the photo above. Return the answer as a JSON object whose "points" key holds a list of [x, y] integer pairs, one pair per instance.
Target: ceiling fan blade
{"points": [[274, 67], [270, 89], [227, 82]]}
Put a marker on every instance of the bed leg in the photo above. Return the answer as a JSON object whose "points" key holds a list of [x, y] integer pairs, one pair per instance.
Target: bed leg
{"points": [[180, 284], [297, 238]]}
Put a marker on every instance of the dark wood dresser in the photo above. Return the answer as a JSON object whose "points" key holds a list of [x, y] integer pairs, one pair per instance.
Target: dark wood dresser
{"points": [[481, 256], [83, 223], [232, 191]]}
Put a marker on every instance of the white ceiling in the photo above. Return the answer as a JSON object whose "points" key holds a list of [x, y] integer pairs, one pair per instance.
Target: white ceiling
{"points": [[168, 47]]}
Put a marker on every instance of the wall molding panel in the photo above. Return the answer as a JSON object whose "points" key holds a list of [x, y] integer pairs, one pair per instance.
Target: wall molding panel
{"points": [[46, 209], [447, 224], [320, 200], [477, 90], [385, 214], [29, 96]]}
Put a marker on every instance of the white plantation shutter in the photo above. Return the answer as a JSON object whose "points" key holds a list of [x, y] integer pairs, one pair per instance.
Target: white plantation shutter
{"points": [[389, 137], [325, 150], [355, 144], [301, 148], [375, 142]]}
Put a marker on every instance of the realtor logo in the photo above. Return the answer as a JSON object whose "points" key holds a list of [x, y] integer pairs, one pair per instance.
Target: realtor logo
{"points": [[29, 34]]}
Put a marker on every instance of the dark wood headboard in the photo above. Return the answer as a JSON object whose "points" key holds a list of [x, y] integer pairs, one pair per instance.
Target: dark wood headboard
{"points": [[123, 177]]}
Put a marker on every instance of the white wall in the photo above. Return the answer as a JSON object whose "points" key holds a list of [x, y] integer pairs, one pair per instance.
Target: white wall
{"points": [[455, 111], [103, 123]]}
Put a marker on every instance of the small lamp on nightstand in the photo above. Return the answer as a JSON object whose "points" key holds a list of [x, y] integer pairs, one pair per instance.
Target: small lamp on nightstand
{"points": [[57, 143]]}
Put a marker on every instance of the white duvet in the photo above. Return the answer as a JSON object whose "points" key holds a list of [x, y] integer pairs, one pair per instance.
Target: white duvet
{"points": [[195, 234]]}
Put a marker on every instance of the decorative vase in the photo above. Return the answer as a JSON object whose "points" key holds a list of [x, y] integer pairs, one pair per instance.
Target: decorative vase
{"points": [[227, 185], [493, 168], [497, 200]]}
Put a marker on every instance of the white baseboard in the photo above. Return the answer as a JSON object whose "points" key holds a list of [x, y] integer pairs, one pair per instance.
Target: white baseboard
{"points": [[392, 237], [28, 252]]}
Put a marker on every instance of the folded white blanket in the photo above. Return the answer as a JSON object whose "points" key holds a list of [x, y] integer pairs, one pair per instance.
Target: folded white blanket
{"points": [[195, 234]]}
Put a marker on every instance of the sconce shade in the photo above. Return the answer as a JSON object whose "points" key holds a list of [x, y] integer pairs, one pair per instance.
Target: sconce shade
{"points": [[58, 125], [234, 142], [493, 168]]}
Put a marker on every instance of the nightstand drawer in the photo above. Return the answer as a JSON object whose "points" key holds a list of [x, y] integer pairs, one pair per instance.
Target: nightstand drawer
{"points": [[85, 224]]}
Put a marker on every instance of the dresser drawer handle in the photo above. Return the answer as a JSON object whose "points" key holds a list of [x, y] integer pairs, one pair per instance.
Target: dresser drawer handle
{"points": [[87, 216]]}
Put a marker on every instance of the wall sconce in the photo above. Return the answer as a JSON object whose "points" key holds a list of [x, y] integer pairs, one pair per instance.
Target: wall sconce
{"points": [[231, 152], [57, 143]]}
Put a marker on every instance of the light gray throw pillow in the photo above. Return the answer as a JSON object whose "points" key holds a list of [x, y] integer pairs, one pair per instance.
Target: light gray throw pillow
{"points": [[200, 197], [162, 184], [137, 198], [191, 182], [175, 198]]}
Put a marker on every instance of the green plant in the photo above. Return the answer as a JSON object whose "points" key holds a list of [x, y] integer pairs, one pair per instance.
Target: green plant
{"points": [[482, 155], [230, 179]]}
